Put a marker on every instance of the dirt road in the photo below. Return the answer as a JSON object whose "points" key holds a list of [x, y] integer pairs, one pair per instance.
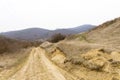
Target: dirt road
{"points": [[36, 67]]}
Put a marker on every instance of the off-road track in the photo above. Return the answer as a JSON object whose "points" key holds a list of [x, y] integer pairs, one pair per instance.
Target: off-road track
{"points": [[37, 66]]}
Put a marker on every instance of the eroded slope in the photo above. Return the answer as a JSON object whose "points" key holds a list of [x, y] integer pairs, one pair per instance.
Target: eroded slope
{"points": [[36, 66]]}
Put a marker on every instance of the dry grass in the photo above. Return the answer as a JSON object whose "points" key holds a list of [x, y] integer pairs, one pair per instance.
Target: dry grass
{"points": [[10, 45]]}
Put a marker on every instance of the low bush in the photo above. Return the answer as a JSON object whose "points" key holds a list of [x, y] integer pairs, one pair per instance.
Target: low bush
{"points": [[57, 37]]}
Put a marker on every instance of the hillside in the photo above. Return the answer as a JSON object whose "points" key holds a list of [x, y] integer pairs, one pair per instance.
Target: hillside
{"points": [[107, 31], [106, 35], [87, 52], [39, 33], [11, 45]]}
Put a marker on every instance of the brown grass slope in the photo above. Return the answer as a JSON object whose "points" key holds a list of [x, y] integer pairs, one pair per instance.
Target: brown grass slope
{"points": [[107, 32], [88, 65], [106, 35], [94, 53]]}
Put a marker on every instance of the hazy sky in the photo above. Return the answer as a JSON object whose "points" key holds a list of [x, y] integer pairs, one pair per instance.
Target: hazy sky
{"points": [[52, 14]]}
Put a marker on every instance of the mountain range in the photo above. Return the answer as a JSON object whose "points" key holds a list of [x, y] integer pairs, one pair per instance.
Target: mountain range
{"points": [[39, 33]]}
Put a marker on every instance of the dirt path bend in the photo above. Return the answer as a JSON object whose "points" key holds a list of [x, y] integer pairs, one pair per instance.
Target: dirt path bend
{"points": [[36, 67]]}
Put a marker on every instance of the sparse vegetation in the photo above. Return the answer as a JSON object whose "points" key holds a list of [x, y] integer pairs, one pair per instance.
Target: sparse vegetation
{"points": [[10, 45]]}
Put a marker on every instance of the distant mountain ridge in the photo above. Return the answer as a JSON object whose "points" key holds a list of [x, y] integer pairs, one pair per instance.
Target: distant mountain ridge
{"points": [[82, 28], [39, 33]]}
